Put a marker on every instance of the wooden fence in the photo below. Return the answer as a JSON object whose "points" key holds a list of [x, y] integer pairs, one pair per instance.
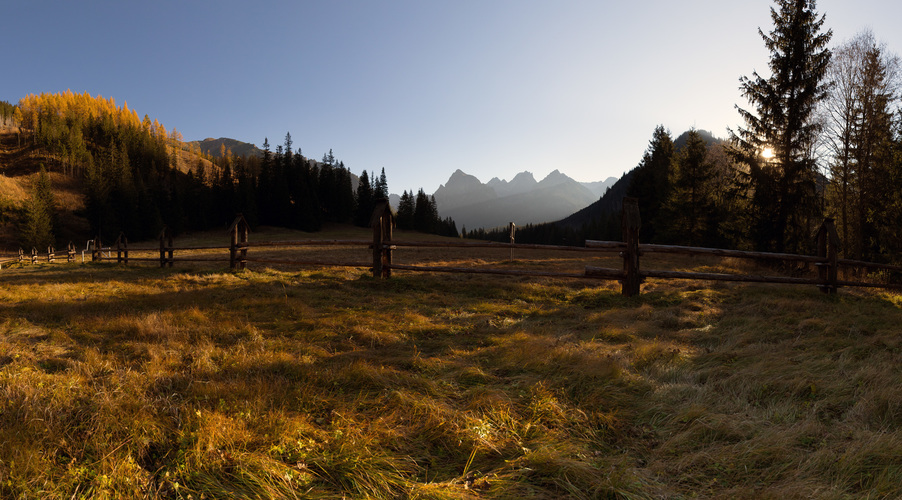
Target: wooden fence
{"points": [[34, 257], [631, 275], [630, 250]]}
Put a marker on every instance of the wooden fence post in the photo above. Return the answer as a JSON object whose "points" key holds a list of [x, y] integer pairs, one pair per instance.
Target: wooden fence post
{"points": [[387, 225], [122, 249], [233, 246], [243, 230], [631, 222], [377, 246], [70, 253], [96, 254], [51, 254], [828, 250], [238, 233], [165, 247], [382, 223], [512, 227], [21, 255], [821, 236], [34, 255]]}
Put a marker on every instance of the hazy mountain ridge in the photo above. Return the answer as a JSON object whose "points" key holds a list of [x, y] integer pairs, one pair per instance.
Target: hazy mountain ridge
{"points": [[213, 147], [521, 183], [609, 203], [462, 190], [600, 187], [522, 200]]}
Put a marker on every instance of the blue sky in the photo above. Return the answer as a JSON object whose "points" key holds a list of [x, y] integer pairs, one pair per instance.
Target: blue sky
{"points": [[420, 88]]}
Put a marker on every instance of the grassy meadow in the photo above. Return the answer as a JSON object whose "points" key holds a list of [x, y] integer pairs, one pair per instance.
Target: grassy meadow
{"points": [[196, 382]]}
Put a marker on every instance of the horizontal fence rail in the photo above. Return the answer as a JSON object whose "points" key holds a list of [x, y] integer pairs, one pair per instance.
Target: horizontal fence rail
{"points": [[302, 243], [494, 245], [472, 270], [869, 265], [716, 252], [382, 246]]}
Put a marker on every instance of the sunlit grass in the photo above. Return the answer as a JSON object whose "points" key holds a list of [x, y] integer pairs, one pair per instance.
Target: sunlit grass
{"points": [[139, 382]]}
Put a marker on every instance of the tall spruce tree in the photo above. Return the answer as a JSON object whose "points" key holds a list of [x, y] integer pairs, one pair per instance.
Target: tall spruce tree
{"points": [[346, 204], [893, 204], [309, 211], [406, 210], [380, 185], [365, 201], [651, 182], [425, 213], [40, 213], [265, 182], [783, 188], [840, 112], [875, 161], [690, 209]]}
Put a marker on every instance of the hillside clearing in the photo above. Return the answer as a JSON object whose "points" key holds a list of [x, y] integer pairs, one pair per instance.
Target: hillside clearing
{"points": [[325, 383]]}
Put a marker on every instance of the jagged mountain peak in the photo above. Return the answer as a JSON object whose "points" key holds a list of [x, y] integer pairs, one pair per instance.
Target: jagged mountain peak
{"points": [[462, 189], [459, 174], [555, 177], [524, 176], [460, 180]]}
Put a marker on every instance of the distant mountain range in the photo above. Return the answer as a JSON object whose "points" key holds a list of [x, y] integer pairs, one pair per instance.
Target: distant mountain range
{"points": [[473, 204], [522, 200]]}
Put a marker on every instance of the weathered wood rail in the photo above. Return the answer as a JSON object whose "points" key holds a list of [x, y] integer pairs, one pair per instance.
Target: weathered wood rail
{"points": [[241, 251]]}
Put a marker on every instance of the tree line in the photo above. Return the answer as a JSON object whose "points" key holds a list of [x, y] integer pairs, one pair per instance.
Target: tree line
{"points": [[139, 177], [7, 114], [822, 137]]}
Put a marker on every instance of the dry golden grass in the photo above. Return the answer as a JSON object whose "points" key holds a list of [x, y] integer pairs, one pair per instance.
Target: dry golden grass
{"points": [[326, 383], [12, 189]]}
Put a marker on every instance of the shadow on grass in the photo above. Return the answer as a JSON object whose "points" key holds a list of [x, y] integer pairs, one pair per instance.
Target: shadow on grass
{"points": [[538, 387]]}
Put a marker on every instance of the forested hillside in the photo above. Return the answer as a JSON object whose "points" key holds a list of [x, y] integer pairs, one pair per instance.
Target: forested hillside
{"points": [[134, 176]]}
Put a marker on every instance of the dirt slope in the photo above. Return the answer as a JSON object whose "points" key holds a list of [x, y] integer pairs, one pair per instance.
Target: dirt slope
{"points": [[18, 166]]}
